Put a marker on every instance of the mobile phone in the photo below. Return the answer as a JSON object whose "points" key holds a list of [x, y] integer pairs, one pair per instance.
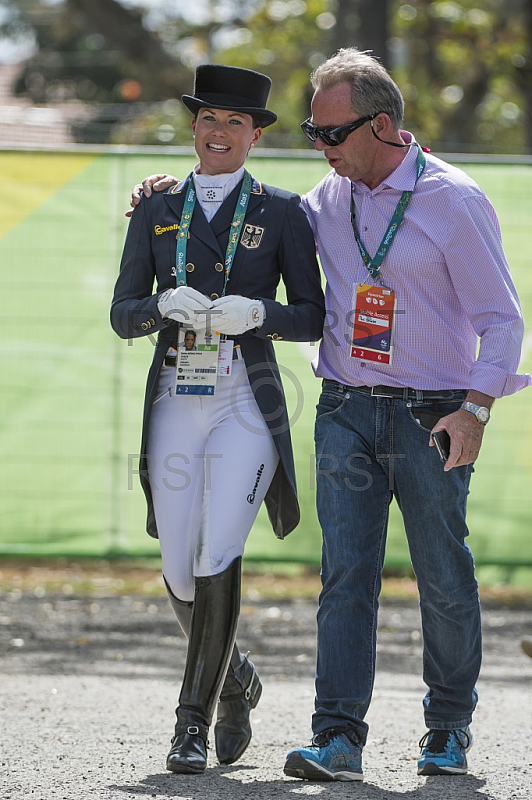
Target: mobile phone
{"points": [[442, 443]]}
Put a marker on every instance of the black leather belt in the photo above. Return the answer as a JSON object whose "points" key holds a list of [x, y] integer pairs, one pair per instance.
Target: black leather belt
{"points": [[171, 361], [404, 393]]}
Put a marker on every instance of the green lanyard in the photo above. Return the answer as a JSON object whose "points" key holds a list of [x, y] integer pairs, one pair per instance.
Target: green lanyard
{"points": [[236, 228], [374, 264]]}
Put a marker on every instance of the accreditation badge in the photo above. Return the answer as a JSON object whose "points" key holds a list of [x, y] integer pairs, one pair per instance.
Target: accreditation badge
{"points": [[197, 361], [373, 326]]}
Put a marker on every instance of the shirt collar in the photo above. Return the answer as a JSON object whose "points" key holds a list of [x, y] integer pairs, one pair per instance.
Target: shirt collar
{"points": [[403, 178], [220, 180]]}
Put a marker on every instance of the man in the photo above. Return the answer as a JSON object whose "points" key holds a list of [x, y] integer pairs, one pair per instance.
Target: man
{"points": [[442, 263], [416, 278]]}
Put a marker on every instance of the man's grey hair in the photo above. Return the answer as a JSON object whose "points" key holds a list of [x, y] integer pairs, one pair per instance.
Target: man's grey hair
{"points": [[372, 89]]}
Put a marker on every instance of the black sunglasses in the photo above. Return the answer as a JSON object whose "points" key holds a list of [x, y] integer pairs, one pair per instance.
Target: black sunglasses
{"points": [[333, 136]]}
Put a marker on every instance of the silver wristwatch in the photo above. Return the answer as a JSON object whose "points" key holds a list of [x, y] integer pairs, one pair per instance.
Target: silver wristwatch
{"points": [[480, 412]]}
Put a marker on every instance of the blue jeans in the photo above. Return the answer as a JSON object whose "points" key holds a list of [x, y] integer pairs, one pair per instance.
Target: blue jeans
{"points": [[368, 450]]}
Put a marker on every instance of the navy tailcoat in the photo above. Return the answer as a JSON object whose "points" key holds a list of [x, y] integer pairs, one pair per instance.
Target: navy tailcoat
{"points": [[276, 243]]}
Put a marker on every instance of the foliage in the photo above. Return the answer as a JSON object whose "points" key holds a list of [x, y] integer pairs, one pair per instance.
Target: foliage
{"points": [[286, 40], [457, 65], [464, 66], [94, 52]]}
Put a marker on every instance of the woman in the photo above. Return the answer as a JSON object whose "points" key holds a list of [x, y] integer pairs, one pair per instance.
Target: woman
{"points": [[216, 246], [190, 340]]}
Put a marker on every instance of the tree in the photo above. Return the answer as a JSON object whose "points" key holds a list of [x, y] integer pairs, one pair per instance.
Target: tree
{"points": [[286, 40], [522, 64], [456, 65], [86, 49], [363, 24], [465, 67], [97, 52], [142, 57]]}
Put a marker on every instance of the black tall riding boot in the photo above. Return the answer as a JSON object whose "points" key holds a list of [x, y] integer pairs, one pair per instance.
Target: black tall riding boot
{"points": [[211, 642], [240, 693]]}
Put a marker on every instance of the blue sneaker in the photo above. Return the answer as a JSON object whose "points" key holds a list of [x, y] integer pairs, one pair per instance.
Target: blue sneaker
{"points": [[332, 756], [444, 752]]}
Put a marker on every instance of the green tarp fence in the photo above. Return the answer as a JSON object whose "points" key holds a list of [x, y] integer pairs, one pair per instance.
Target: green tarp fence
{"points": [[72, 391]]}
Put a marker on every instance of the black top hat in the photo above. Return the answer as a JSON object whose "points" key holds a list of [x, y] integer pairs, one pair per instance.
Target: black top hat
{"points": [[233, 89]]}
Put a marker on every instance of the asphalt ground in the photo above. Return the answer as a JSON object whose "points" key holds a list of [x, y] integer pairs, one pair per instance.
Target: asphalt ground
{"points": [[88, 685]]}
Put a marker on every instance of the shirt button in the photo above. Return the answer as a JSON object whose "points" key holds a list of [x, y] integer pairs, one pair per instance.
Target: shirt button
{"points": [[219, 267], [214, 296], [190, 267]]}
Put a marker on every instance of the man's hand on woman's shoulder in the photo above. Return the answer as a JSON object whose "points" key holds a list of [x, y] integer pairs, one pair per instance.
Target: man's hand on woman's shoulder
{"points": [[156, 183]]}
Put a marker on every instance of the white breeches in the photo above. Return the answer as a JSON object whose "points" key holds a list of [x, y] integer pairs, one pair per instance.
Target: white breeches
{"points": [[211, 461]]}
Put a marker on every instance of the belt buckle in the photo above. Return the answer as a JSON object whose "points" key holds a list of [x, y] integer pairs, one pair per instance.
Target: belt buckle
{"points": [[379, 394]]}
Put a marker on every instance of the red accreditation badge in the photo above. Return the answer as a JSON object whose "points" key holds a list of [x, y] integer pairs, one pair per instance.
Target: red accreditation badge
{"points": [[373, 326]]}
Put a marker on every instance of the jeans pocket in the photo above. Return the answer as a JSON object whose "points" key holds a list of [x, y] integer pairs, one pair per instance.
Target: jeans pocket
{"points": [[426, 417], [330, 402]]}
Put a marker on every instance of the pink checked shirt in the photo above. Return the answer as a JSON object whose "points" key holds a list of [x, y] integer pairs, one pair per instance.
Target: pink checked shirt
{"points": [[447, 267]]}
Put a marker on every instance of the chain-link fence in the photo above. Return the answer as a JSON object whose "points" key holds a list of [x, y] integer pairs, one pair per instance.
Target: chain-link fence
{"points": [[72, 391]]}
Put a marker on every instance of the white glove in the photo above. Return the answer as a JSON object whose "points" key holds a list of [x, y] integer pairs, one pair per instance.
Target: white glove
{"points": [[238, 314], [185, 305]]}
